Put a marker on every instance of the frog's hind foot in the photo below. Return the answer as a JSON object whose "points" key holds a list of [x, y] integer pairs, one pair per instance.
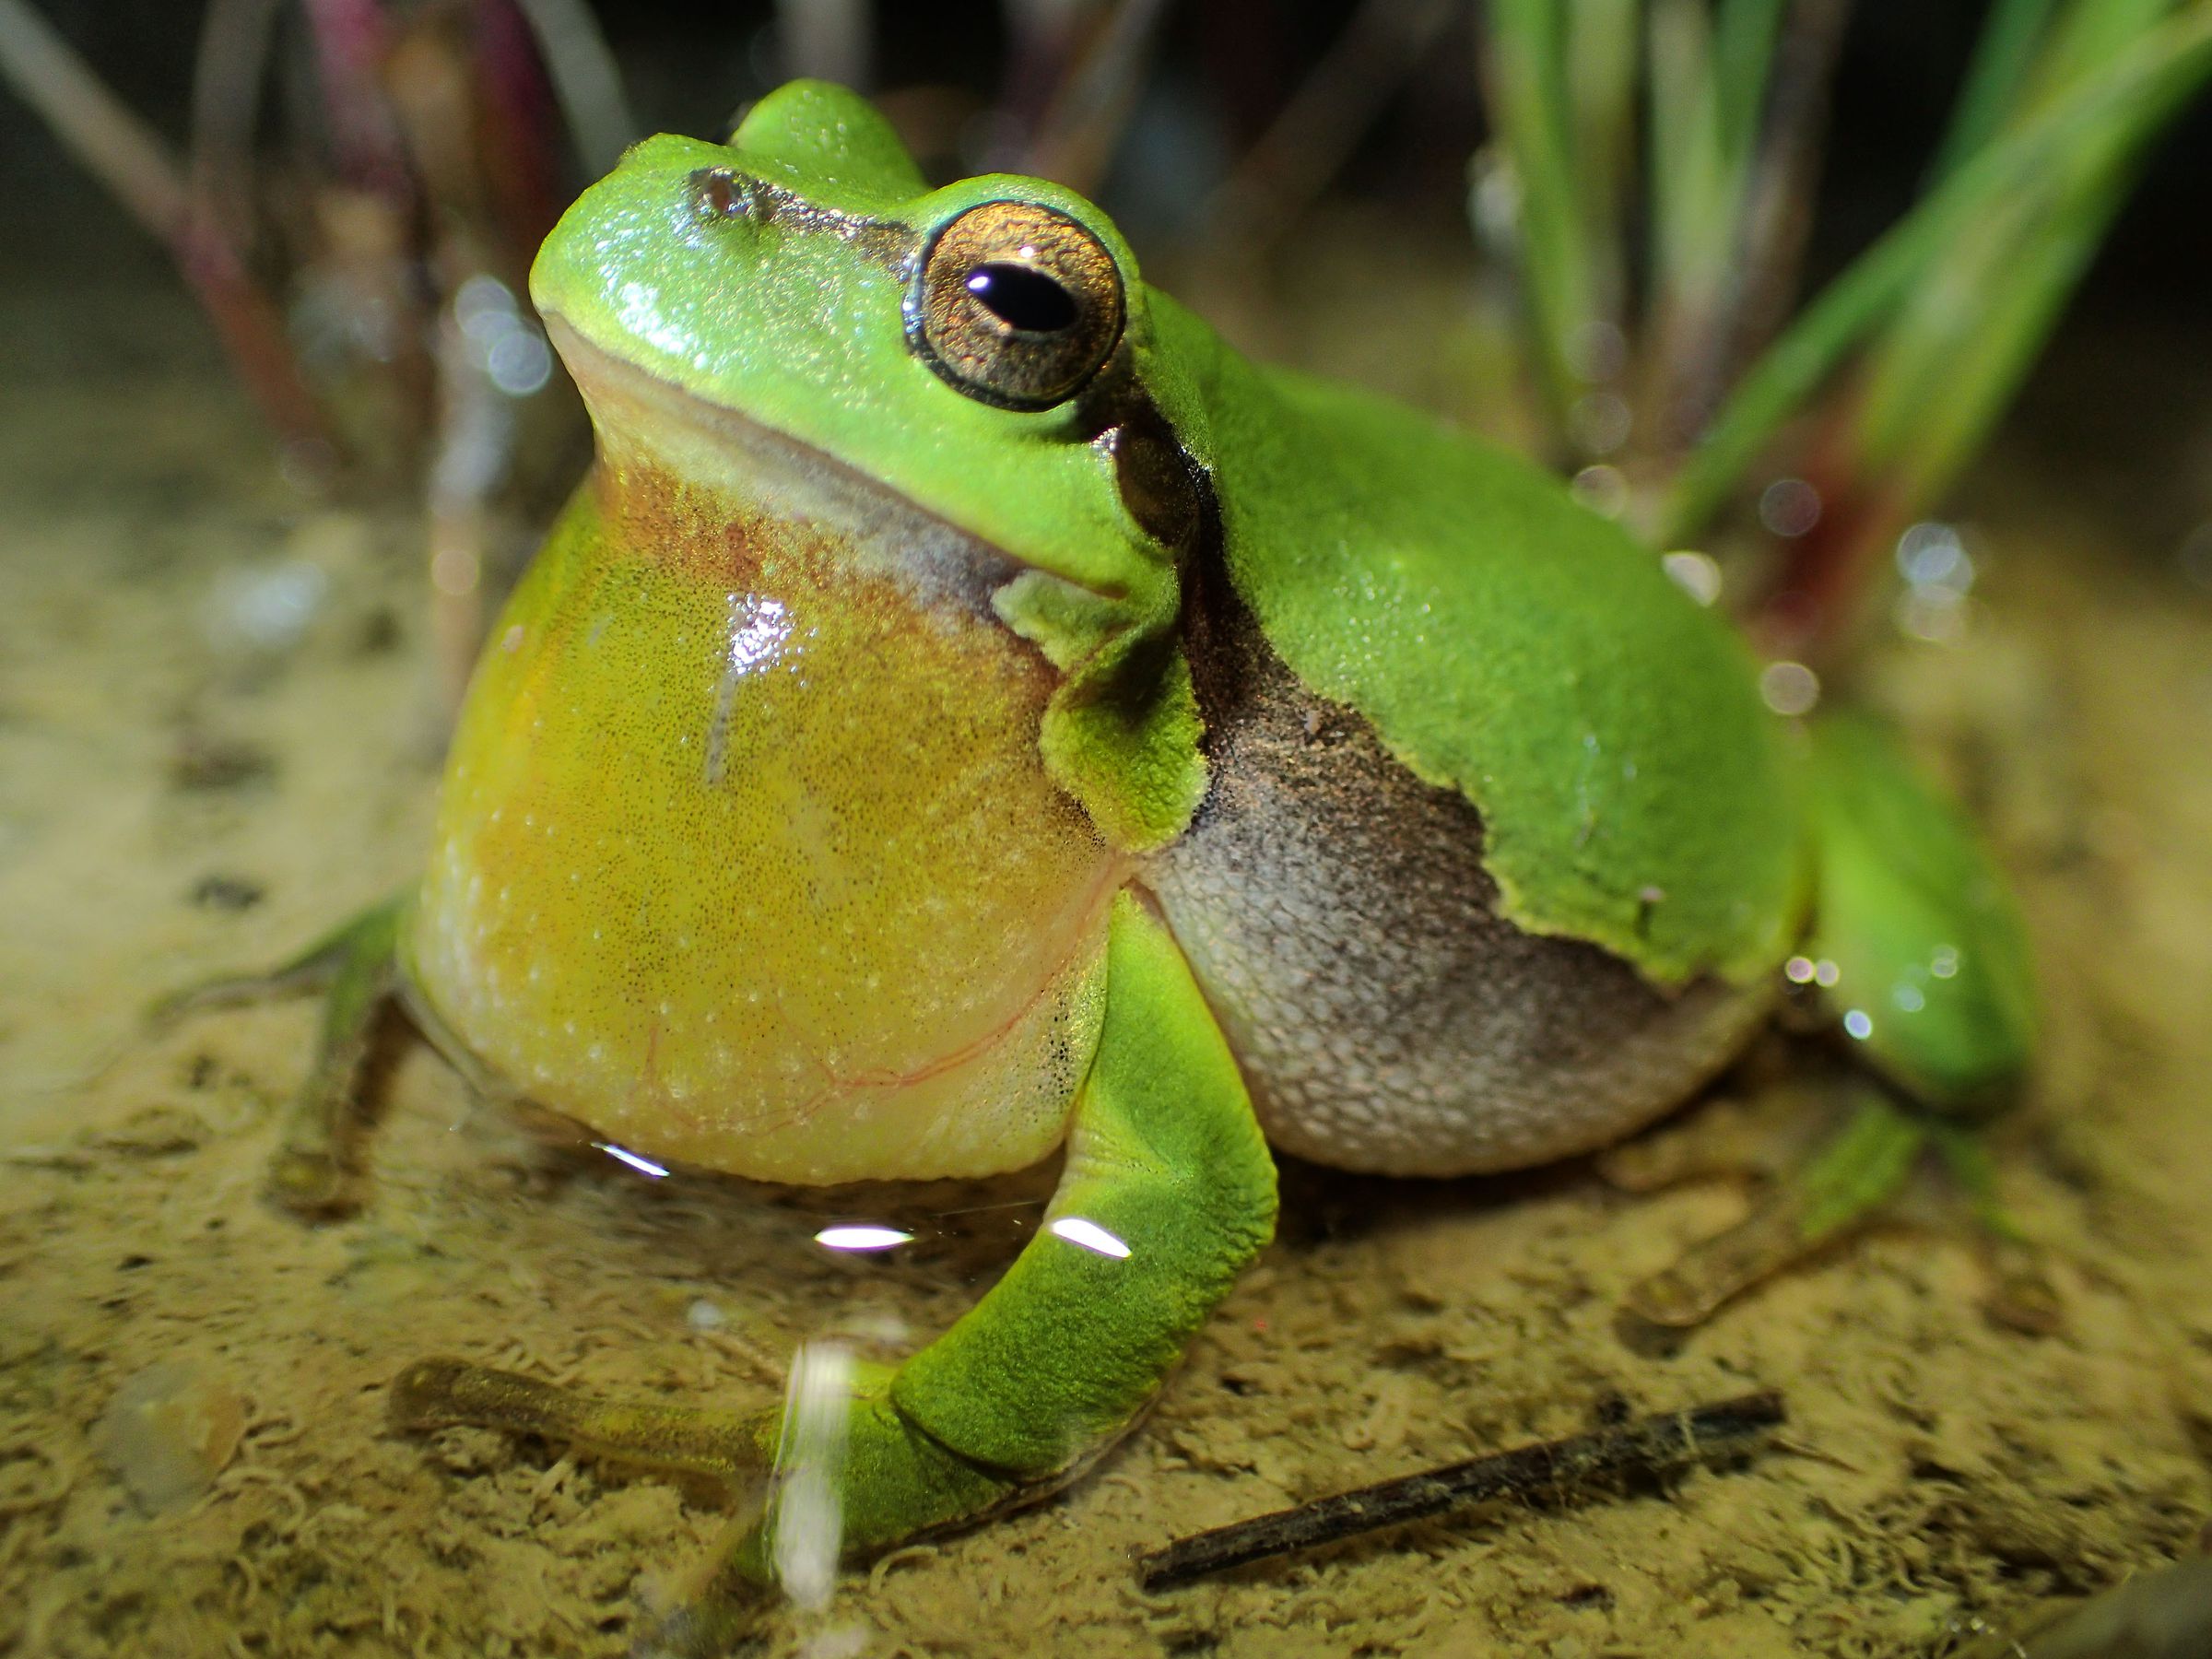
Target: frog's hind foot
{"points": [[2020, 1295], [1845, 1181], [1859, 1169], [320, 1157], [721, 1621]]}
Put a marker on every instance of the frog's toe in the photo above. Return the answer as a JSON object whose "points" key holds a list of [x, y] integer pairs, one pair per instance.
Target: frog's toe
{"points": [[1713, 1272], [2020, 1295], [835, 1472], [720, 1622], [235, 991], [441, 1393], [713, 1621], [313, 1184], [1844, 1182]]}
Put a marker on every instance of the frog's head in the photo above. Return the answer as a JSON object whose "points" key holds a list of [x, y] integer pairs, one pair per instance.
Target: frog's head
{"points": [[985, 351]]}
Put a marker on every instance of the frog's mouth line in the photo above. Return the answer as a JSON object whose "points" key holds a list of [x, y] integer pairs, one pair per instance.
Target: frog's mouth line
{"points": [[639, 417]]}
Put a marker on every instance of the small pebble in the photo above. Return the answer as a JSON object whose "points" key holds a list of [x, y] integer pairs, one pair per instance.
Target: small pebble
{"points": [[201, 762], [168, 1433], [704, 1315], [226, 892]]}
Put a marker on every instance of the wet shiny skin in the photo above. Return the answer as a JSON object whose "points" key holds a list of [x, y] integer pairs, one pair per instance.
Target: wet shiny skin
{"points": [[745, 857]]}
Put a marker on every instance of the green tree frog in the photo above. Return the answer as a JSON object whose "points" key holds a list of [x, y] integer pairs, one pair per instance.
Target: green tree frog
{"points": [[970, 711]]}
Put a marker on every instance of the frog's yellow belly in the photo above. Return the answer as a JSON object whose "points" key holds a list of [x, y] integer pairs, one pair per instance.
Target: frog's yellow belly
{"points": [[746, 858]]}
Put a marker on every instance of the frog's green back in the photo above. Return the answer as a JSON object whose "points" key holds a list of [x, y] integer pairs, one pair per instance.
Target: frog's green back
{"points": [[1506, 642]]}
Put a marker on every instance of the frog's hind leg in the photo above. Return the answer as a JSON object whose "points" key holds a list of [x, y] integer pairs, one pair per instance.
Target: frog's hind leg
{"points": [[1167, 1192], [1850, 1176], [322, 1146], [1919, 960]]}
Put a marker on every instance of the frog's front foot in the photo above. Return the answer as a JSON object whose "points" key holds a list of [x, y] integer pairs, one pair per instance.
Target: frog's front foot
{"points": [[836, 1473], [1845, 1182]]}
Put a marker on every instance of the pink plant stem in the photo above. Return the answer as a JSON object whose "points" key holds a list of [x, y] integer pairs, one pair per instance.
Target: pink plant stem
{"points": [[1810, 609], [522, 134], [138, 170], [253, 333], [351, 43]]}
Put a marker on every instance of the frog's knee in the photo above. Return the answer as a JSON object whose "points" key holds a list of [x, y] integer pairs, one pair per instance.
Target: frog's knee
{"points": [[1918, 947]]}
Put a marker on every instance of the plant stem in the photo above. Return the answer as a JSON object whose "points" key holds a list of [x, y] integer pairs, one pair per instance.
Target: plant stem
{"points": [[1082, 124], [2002, 57], [586, 78], [1526, 69], [138, 170], [1305, 146]]}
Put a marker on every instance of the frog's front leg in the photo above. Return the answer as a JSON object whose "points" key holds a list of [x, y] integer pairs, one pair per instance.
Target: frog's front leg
{"points": [[1168, 1191], [321, 1145], [1920, 960]]}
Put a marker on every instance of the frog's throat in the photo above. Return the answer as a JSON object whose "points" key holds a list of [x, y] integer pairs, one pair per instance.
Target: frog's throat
{"points": [[798, 902], [646, 423]]}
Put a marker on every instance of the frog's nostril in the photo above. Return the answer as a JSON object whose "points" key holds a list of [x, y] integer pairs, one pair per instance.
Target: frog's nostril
{"points": [[724, 192], [1023, 297]]}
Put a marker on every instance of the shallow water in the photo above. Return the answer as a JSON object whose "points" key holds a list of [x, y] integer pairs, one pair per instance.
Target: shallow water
{"points": [[194, 1455]]}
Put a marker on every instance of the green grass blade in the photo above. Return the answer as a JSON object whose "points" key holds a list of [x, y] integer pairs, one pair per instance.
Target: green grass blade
{"points": [[1686, 163], [2002, 58], [1743, 33], [2087, 35], [2155, 74], [1938, 384], [1602, 42], [1531, 103]]}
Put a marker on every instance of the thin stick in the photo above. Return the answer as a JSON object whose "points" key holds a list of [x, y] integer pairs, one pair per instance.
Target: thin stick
{"points": [[1306, 145], [1553, 1470]]}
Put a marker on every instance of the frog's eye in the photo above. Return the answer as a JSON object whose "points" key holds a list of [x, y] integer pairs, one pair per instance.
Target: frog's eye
{"points": [[1017, 305]]}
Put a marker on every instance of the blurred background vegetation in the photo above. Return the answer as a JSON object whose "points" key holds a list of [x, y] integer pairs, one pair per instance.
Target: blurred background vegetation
{"points": [[1576, 225]]}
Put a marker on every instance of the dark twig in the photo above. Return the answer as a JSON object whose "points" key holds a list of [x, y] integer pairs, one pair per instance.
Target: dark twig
{"points": [[1553, 1470]]}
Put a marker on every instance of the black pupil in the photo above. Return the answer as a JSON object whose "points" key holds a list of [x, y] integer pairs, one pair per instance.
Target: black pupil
{"points": [[1022, 297]]}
